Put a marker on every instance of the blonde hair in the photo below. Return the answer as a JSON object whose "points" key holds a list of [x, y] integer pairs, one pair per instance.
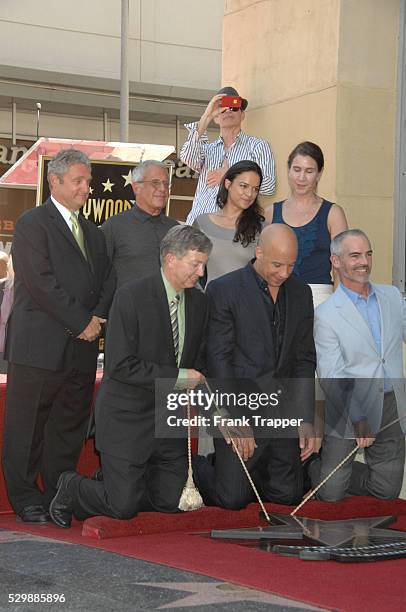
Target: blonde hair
{"points": [[9, 278]]}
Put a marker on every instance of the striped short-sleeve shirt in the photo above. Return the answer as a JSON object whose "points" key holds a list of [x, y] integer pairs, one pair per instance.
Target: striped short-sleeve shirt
{"points": [[202, 156]]}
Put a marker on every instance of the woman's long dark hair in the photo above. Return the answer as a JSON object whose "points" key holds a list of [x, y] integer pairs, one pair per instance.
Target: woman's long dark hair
{"points": [[249, 223]]}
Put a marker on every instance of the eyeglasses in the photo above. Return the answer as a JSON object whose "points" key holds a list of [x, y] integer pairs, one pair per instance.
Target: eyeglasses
{"points": [[156, 184]]}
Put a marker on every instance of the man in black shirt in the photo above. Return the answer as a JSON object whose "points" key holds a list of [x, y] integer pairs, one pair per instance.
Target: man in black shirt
{"points": [[261, 339], [133, 237]]}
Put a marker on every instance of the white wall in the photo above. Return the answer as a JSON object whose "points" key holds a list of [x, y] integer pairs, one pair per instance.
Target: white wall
{"points": [[171, 43]]}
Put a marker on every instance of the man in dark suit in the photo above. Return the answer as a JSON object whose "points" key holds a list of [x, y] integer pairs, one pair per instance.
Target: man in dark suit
{"points": [[260, 339], [63, 290], [141, 471]]}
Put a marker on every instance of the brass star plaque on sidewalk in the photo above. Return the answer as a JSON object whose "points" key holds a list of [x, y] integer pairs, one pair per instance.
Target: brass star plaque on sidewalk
{"points": [[358, 539]]}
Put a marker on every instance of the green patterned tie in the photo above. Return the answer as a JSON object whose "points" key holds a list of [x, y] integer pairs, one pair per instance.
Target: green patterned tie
{"points": [[173, 312], [78, 234]]}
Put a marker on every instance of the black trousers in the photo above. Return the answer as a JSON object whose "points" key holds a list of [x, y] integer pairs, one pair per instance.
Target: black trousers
{"points": [[129, 487], [45, 423], [275, 468]]}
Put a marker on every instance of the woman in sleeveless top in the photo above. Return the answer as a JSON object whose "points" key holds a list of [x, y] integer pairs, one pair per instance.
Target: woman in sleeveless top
{"points": [[234, 229], [314, 220]]}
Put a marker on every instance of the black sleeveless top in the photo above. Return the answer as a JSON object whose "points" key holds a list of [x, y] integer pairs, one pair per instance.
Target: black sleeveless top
{"points": [[313, 264]]}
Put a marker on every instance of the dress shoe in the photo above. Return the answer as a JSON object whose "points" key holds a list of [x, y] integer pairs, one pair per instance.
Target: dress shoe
{"points": [[33, 514], [61, 507]]}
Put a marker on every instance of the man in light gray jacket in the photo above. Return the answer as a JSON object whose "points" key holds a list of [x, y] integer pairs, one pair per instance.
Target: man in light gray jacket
{"points": [[358, 335]]}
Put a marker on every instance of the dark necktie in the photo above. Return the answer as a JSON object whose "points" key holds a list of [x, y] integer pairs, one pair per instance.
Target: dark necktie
{"points": [[173, 311]]}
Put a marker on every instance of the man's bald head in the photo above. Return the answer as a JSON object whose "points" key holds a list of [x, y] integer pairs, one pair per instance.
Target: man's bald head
{"points": [[276, 253], [277, 233]]}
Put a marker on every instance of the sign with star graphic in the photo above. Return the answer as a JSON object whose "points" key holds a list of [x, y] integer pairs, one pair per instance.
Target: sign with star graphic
{"points": [[110, 190]]}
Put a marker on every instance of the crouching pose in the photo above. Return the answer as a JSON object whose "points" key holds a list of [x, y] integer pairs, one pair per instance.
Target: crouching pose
{"points": [[358, 334], [261, 331], [156, 330]]}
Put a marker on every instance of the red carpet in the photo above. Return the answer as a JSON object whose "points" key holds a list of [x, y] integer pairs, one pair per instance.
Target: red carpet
{"points": [[169, 540], [206, 519], [353, 587]]}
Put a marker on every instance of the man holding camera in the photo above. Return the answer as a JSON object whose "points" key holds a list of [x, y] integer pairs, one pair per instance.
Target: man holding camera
{"points": [[212, 160]]}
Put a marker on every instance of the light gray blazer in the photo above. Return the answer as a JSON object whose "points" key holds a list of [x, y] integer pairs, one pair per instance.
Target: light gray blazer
{"points": [[346, 350]]}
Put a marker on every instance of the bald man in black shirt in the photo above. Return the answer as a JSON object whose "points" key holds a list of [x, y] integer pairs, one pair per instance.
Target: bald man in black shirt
{"points": [[260, 339]]}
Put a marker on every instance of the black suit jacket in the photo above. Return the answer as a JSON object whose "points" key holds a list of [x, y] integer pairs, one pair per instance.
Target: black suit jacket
{"points": [[57, 291], [139, 350], [240, 344]]}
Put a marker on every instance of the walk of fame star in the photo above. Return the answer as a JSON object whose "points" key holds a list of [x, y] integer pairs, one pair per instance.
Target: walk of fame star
{"points": [[361, 534], [205, 593]]}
